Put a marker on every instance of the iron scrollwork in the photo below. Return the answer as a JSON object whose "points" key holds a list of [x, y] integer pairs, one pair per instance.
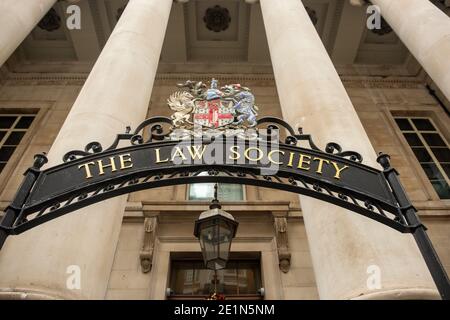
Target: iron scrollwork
{"points": [[294, 138], [156, 132], [160, 129]]}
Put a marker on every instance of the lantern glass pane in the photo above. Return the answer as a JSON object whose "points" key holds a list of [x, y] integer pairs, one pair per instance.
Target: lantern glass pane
{"points": [[225, 241], [209, 239], [215, 235]]}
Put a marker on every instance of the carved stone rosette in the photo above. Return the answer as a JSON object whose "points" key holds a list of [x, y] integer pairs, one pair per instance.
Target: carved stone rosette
{"points": [[51, 21], [217, 18]]}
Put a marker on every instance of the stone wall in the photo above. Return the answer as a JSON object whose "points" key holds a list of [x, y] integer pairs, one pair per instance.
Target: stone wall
{"points": [[375, 99]]}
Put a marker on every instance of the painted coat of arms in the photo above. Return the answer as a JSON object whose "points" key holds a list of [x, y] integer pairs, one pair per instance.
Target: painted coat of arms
{"points": [[230, 107]]}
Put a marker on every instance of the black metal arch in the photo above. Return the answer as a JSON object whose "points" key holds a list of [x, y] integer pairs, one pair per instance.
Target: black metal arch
{"points": [[47, 194], [32, 216]]}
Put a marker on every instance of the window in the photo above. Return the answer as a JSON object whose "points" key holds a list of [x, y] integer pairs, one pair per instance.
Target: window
{"points": [[240, 279], [13, 127], [430, 149], [225, 191]]}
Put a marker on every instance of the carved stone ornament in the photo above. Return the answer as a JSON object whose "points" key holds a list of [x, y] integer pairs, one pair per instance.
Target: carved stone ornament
{"points": [[217, 18], [51, 21], [384, 29], [284, 256], [120, 11], [146, 254]]}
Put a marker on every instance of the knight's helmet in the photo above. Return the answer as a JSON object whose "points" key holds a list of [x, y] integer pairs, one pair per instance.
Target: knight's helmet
{"points": [[213, 93], [213, 83]]}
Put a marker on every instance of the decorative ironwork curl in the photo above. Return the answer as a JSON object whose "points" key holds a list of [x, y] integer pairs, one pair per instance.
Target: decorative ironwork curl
{"points": [[336, 149], [294, 138], [156, 133], [156, 129]]}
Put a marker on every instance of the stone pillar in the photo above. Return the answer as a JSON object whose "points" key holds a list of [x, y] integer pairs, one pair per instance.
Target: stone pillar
{"points": [[343, 244], [17, 19], [115, 95], [425, 30]]}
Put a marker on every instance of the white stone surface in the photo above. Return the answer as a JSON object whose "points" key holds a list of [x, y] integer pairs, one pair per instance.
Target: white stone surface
{"points": [[116, 94], [17, 19], [425, 30], [343, 245]]}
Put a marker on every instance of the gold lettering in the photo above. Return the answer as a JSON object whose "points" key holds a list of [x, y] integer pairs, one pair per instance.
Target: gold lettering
{"points": [[102, 166], [269, 156], [302, 161], [237, 155], [194, 151], [158, 156], [87, 169], [320, 165], [338, 170], [291, 159], [178, 153], [123, 161], [247, 152]]}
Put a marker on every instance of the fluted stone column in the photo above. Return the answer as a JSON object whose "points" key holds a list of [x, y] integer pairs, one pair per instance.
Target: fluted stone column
{"points": [[17, 19], [343, 245], [115, 95], [425, 30]]}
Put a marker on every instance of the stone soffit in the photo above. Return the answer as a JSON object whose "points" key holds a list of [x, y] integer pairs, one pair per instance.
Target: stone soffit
{"points": [[231, 44]]}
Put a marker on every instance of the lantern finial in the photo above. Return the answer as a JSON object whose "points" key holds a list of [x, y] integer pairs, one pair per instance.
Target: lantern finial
{"points": [[215, 202]]}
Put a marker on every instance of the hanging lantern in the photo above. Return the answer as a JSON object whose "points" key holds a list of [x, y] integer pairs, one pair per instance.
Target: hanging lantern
{"points": [[215, 229]]}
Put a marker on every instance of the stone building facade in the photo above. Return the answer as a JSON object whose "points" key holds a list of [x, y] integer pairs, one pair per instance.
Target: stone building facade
{"points": [[314, 64]]}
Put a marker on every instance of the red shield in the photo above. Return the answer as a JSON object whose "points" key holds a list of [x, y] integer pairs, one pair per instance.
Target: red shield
{"points": [[214, 113]]}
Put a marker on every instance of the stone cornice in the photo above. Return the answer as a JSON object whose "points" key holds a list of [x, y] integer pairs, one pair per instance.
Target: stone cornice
{"points": [[263, 79], [410, 75], [199, 206], [380, 83]]}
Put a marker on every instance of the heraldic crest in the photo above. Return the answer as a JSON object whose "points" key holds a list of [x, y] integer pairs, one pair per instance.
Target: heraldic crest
{"points": [[230, 107]]}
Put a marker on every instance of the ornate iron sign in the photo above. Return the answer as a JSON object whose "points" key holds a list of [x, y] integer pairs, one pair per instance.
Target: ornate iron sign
{"points": [[232, 147]]}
